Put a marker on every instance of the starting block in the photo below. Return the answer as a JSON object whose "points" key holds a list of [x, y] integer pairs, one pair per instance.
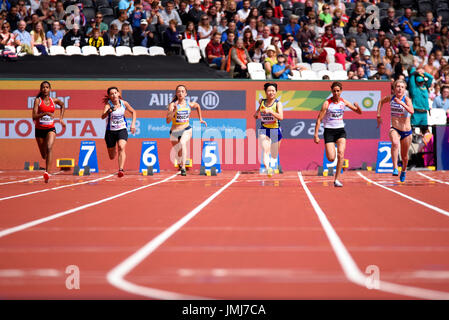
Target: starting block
{"points": [[189, 163], [345, 163], [330, 171], [148, 171], [320, 171], [77, 171], [431, 168], [30, 167], [208, 172], [65, 163]]}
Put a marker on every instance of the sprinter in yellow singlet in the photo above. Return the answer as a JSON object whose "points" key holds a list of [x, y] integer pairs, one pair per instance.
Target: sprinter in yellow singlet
{"points": [[181, 132], [270, 132]]}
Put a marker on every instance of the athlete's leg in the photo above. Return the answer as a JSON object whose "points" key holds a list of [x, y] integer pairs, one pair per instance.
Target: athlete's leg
{"points": [[121, 146], [186, 136], [112, 152], [42, 145], [50, 141], [265, 142], [330, 151], [275, 149], [395, 141], [405, 145], [341, 147]]}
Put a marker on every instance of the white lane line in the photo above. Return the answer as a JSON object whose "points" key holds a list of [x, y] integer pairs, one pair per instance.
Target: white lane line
{"points": [[55, 188], [430, 178], [350, 268], [33, 223], [446, 213], [25, 180], [116, 275]]}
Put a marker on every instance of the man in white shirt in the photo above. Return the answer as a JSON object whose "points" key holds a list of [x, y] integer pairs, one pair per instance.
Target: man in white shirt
{"points": [[244, 12], [266, 37], [169, 13], [252, 26]]}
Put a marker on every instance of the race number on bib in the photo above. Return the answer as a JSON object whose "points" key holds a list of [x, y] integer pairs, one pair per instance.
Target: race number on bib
{"points": [[46, 120]]}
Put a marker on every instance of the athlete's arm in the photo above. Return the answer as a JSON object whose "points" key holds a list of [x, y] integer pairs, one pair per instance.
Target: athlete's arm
{"points": [[256, 114], [408, 105], [35, 114], [379, 109], [170, 113], [354, 107], [106, 111], [134, 114], [198, 108], [319, 119], [61, 114], [280, 114]]}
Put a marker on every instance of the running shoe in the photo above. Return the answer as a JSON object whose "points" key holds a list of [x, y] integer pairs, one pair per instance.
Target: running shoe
{"points": [[121, 173], [338, 184], [183, 172], [402, 177], [46, 176], [395, 172]]}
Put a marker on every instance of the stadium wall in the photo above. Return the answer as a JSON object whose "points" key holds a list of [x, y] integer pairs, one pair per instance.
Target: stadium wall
{"points": [[227, 106]]}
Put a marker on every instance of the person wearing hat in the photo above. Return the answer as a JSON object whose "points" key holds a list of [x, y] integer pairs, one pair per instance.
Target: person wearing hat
{"points": [[97, 23], [74, 37], [293, 27], [143, 33], [281, 70], [270, 60], [419, 84]]}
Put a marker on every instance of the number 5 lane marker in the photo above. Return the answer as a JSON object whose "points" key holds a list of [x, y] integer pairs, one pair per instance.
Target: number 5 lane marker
{"points": [[116, 275], [33, 223], [350, 268]]}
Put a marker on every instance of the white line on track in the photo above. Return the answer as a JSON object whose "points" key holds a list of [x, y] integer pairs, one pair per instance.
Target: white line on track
{"points": [[351, 269], [25, 180], [116, 275], [33, 223], [430, 178], [446, 213], [55, 188]]}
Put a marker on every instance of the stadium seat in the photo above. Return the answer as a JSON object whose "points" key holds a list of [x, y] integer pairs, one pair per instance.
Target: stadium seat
{"points": [[140, 51], [156, 51], [339, 75], [335, 67], [318, 66], [36, 52], [296, 75], [322, 73], [106, 51], [189, 43], [306, 65], [258, 75], [72, 50], [193, 54], [203, 45], [428, 46], [89, 51], [330, 54], [255, 66], [123, 51], [57, 50], [437, 117], [308, 75]]}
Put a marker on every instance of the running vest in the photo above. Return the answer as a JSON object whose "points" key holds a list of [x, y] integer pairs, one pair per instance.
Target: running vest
{"points": [[116, 119], [398, 110], [182, 114], [45, 122], [333, 118], [268, 120]]}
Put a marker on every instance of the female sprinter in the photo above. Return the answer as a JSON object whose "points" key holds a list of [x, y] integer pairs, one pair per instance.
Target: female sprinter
{"points": [[270, 133], [43, 117], [181, 132], [116, 131], [401, 131], [334, 128]]}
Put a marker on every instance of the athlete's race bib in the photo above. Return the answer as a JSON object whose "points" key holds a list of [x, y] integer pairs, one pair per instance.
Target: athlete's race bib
{"points": [[46, 120], [267, 117], [182, 116], [117, 122]]}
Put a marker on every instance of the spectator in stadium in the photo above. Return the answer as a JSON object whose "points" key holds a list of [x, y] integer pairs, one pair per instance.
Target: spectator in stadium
{"points": [[190, 32], [205, 30], [431, 25], [96, 40], [59, 13], [305, 34], [5, 5], [97, 23], [270, 60], [258, 54], [54, 37], [337, 4], [45, 13], [111, 38], [266, 35], [442, 101], [416, 44], [135, 17], [232, 28], [74, 37], [172, 38], [31, 23], [292, 57], [442, 44], [390, 24], [126, 5], [325, 17], [22, 10], [277, 43], [406, 23], [38, 39], [418, 86], [339, 22], [34, 5], [360, 36], [359, 13], [126, 37], [276, 31], [319, 54], [23, 38], [6, 37], [252, 25], [269, 18], [195, 13], [183, 12], [328, 38], [293, 26], [340, 56], [281, 70], [438, 57], [351, 47], [13, 17], [248, 40], [430, 67], [421, 58], [170, 14], [206, 5], [141, 33], [214, 17], [223, 25], [382, 72], [229, 43], [375, 56], [214, 51], [122, 17], [407, 60], [397, 67], [238, 61], [244, 11], [278, 8]]}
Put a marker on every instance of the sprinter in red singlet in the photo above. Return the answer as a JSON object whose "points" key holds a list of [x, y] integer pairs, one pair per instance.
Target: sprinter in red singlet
{"points": [[43, 117]]}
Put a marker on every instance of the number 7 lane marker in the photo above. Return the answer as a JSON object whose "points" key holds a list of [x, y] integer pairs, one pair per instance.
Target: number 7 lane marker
{"points": [[33, 223], [406, 196], [55, 188], [351, 269], [116, 275]]}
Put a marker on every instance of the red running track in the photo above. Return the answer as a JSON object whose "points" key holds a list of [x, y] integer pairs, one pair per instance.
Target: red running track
{"points": [[260, 238]]}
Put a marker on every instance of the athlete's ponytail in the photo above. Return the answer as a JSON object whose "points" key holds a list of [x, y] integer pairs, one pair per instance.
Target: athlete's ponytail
{"points": [[106, 97], [40, 95]]}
